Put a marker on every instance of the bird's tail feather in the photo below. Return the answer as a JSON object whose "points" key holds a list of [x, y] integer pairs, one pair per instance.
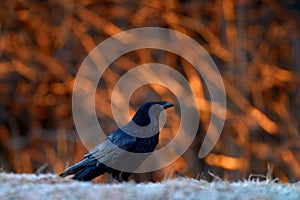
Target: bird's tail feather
{"points": [[74, 168], [85, 170]]}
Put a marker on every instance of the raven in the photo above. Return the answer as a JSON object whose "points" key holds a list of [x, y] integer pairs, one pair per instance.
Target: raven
{"points": [[140, 135]]}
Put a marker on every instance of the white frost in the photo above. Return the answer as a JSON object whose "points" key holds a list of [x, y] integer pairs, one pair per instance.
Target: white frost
{"points": [[50, 186]]}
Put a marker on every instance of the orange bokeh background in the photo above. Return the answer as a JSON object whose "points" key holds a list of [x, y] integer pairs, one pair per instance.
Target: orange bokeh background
{"points": [[255, 44]]}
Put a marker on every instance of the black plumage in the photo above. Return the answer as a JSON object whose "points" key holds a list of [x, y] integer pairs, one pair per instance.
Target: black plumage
{"points": [[140, 135]]}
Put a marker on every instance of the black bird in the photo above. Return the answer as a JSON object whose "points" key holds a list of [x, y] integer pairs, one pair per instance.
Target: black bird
{"points": [[140, 135]]}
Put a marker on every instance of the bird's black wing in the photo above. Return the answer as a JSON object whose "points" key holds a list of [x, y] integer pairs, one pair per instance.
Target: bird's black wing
{"points": [[106, 153], [111, 148]]}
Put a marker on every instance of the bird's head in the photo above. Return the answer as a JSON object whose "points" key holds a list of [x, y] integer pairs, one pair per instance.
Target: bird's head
{"points": [[150, 110]]}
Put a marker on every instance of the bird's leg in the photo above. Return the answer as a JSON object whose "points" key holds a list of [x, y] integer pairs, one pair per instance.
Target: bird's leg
{"points": [[116, 175], [125, 176]]}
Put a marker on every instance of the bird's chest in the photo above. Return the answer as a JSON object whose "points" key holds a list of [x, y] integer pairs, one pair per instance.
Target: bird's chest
{"points": [[145, 145]]}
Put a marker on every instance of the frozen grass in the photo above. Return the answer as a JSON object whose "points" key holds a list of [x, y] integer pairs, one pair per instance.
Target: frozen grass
{"points": [[49, 186]]}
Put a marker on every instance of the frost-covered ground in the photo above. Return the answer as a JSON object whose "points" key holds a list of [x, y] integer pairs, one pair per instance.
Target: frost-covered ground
{"points": [[49, 186]]}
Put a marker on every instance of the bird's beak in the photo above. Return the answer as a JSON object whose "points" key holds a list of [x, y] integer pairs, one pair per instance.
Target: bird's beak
{"points": [[167, 105]]}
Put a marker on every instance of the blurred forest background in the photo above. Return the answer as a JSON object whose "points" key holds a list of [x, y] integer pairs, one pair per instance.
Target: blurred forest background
{"points": [[255, 44]]}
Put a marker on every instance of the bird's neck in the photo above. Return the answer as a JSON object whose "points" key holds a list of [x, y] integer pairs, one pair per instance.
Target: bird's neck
{"points": [[141, 120]]}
